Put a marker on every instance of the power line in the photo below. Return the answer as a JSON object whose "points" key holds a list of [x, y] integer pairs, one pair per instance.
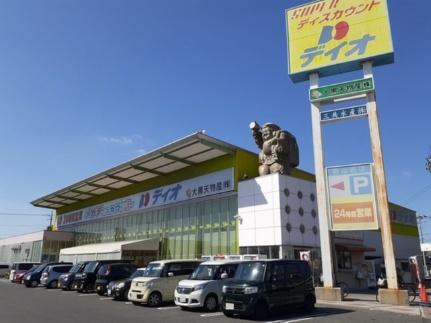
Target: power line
{"points": [[415, 195], [24, 214]]}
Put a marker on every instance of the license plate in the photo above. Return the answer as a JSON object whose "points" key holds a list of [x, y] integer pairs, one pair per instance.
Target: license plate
{"points": [[182, 299], [229, 306]]}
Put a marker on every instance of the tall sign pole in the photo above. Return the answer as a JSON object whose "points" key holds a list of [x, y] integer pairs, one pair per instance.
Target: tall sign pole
{"points": [[380, 185], [319, 166]]}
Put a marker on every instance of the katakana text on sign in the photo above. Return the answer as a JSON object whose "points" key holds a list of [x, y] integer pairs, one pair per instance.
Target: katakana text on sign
{"points": [[334, 36]]}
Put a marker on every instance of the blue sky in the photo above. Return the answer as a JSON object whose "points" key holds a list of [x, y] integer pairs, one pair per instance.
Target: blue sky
{"points": [[85, 85]]}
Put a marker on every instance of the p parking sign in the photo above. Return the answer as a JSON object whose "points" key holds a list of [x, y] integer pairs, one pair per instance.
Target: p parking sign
{"points": [[351, 197]]}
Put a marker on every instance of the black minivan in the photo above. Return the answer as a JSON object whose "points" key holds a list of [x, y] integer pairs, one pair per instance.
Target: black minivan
{"points": [[262, 285], [111, 272], [85, 281], [65, 281]]}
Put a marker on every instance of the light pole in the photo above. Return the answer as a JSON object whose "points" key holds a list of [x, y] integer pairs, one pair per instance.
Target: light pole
{"points": [[421, 218]]}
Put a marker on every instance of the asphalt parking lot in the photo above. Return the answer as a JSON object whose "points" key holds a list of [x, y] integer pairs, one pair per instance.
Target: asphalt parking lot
{"points": [[21, 304]]}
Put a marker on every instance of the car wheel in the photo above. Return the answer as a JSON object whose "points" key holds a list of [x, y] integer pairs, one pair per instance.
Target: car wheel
{"points": [[309, 302], [52, 284], [211, 303], [260, 311], [155, 299]]}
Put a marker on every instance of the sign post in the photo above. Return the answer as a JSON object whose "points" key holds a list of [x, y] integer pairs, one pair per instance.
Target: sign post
{"points": [[382, 195]]}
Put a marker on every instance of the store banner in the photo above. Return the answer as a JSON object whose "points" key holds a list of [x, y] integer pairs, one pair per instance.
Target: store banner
{"points": [[334, 36], [206, 185], [351, 195]]}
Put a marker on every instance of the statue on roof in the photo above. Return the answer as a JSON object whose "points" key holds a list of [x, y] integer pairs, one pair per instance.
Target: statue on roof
{"points": [[279, 149]]}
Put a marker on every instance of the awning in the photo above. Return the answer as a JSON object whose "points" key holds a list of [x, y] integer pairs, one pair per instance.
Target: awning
{"points": [[353, 248], [112, 247], [189, 151]]}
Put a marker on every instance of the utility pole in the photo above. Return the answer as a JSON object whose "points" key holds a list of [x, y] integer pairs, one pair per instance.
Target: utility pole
{"points": [[421, 218]]}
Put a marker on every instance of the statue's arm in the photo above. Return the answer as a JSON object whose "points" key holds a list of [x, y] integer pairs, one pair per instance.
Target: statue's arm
{"points": [[257, 135]]}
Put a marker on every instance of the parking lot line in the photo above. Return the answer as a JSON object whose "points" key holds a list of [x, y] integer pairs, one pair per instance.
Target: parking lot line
{"points": [[128, 303], [212, 314], [104, 298], [83, 295], [167, 308]]}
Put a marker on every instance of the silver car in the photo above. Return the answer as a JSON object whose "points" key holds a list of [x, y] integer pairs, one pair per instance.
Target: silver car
{"points": [[50, 275]]}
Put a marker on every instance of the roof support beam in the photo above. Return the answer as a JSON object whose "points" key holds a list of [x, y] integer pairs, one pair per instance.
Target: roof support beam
{"points": [[98, 186], [55, 202], [152, 171], [131, 181], [82, 192], [178, 159], [69, 198], [216, 146]]}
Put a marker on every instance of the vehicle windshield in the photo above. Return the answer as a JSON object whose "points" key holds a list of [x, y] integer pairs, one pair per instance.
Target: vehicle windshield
{"points": [[205, 272], [251, 271], [75, 268], [39, 268], [138, 273], [90, 267], [153, 270]]}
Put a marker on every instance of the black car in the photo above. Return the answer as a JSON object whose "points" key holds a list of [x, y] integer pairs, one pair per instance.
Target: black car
{"points": [[111, 272], [119, 289], [262, 285], [65, 281], [32, 279], [85, 281]]}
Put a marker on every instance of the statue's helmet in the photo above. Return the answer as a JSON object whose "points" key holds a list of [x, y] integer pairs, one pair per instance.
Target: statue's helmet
{"points": [[271, 126]]}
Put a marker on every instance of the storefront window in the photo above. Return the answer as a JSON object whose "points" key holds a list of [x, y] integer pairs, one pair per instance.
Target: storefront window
{"points": [[344, 259]]}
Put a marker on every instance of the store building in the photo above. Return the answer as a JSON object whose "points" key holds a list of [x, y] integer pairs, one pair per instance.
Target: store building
{"points": [[40, 246], [202, 196]]}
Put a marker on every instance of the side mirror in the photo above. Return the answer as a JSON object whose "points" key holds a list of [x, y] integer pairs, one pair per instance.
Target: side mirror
{"points": [[170, 274], [224, 276]]}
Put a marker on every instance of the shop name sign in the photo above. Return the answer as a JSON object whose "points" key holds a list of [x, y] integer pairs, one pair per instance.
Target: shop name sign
{"points": [[351, 196], [332, 92], [214, 183], [335, 36], [342, 114]]}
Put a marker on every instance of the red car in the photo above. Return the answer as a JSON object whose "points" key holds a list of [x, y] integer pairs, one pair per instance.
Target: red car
{"points": [[19, 275]]}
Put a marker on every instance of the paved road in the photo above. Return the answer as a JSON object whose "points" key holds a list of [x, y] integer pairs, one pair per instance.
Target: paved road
{"points": [[20, 304]]}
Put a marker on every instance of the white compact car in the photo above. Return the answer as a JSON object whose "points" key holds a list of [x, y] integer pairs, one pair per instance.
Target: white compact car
{"points": [[204, 287], [159, 280]]}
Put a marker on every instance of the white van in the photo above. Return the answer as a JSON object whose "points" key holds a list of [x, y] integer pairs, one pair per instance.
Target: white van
{"points": [[204, 287], [159, 280]]}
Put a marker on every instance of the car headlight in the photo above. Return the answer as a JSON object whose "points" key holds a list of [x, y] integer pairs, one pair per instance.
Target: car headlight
{"points": [[65, 278], [120, 285], [28, 277], [250, 290], [199, 287], [148, 284], [224, 289]]}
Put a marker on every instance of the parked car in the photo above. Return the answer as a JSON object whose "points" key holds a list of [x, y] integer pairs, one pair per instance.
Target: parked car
{"points": [[158, 283], [19, 275], [4, 270], [32, 279], [66, 280], [260, 286], [204, 287], [111, 272], [119, 289], [85, 281], [50, 275], [20, 267]]}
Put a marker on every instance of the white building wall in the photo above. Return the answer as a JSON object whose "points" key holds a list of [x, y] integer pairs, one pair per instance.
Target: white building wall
{"points": [[277, 210]]}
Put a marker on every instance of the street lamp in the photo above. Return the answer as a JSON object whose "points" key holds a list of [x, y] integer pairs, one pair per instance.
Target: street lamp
{"points": [[421, 218]]}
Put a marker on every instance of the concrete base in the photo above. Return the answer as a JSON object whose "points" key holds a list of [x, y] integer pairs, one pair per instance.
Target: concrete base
{"points": [[329, 293], [393, 296]]}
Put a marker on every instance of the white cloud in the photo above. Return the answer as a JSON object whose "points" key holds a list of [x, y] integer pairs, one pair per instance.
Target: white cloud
{"points": [[407, 174], [117, 140]]}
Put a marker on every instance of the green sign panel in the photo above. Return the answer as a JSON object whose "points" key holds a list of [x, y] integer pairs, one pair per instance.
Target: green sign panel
{"points": [[341, 90]]}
